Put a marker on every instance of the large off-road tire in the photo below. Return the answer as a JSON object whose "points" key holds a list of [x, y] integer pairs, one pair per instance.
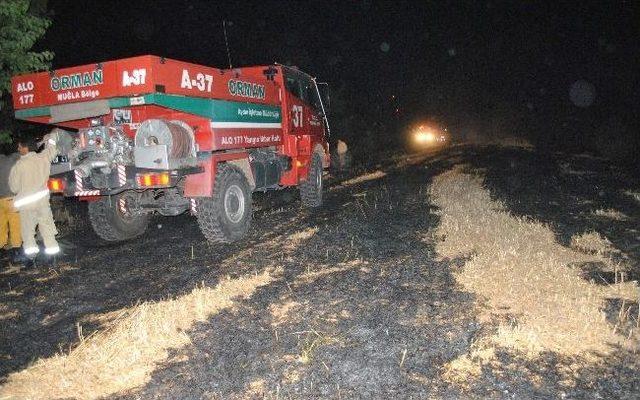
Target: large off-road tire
{"points": [[311, 189], [111, 223], [226, 217]]}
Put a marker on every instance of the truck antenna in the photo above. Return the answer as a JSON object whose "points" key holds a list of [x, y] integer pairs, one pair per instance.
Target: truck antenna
{"points": [[226, 42]]}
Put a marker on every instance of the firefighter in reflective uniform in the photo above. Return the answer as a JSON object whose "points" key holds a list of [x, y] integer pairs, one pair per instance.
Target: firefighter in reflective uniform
{"points": [[28, 180]]}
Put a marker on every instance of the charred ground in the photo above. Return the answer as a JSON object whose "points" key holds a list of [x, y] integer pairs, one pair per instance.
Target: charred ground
{"points": [[362, 307]]}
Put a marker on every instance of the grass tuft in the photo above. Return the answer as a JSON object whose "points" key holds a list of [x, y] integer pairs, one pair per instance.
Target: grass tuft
{"points": [[611, 213]]}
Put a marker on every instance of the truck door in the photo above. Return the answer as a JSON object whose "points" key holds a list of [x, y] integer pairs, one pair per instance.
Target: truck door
{"points": [[305, 108], [305, 124], [297, 109]]}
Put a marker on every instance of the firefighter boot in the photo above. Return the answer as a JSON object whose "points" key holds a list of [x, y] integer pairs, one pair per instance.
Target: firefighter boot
{"points": [[28, 262], [17, 256]]}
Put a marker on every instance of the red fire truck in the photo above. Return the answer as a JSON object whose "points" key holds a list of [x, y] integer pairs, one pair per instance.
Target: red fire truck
{"points": [[150, 135]]}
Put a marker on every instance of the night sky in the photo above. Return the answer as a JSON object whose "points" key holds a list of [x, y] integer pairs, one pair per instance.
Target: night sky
{"points": [[482, 65]]}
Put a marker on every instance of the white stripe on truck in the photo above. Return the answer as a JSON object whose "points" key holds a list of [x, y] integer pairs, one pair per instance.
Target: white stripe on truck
{"points": [[259, 125]]}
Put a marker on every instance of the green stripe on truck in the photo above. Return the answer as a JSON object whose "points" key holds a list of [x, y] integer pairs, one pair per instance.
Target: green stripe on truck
{"points": [[215, 110], [32, 112], [219, 110]]}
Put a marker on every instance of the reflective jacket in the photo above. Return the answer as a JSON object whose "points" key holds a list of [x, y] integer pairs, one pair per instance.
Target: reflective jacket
{"points": [[29, 177]]}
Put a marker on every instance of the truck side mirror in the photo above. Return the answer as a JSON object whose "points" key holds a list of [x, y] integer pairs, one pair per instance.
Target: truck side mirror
{"points": [[323, 88]]}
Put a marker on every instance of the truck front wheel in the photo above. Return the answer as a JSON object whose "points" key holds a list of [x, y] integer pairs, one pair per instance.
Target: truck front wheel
{"points": [[311, 189], [226, 216], [112, 221]]}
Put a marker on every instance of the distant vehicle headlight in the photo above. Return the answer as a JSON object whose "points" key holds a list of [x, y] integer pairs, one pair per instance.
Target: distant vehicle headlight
{"points": [[424, 136]]}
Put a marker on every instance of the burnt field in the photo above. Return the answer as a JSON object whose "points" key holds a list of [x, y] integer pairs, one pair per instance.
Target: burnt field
{"points": [[473, 272]]}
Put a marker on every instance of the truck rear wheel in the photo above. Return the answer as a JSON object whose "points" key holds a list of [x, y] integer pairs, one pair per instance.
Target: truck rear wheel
{"points": [[311, 189], [112, 221], [226, 216]]}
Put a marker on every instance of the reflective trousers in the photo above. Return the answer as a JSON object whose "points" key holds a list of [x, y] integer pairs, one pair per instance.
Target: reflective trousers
{"points": [[9, 224], [41, 217]]}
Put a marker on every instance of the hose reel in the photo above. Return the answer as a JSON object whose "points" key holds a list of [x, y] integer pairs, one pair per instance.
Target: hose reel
{"points": [[162, 144]]}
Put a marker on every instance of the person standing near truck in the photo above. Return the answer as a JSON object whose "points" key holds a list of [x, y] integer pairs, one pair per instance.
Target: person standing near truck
{"points": [[9, 218], [28, 179]]}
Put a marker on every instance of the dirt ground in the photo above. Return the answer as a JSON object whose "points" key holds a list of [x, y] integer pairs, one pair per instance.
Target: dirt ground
{"points": [[359, 304]]}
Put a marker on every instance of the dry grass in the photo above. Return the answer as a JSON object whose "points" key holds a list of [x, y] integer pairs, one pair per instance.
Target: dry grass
{"points": [[257, 389], [7, 313], [281, 313], [10, 269], [293, 240], [587, 156], [634, 195], [513, 141], [54, 273], [323, 270], [124, 355], [505, 141], [313, 340], [611, 213], [566, 168], [519, 269], [467, 366], [302, 235], [369, 176], [593, 243]]}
